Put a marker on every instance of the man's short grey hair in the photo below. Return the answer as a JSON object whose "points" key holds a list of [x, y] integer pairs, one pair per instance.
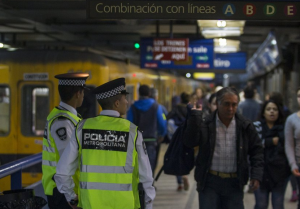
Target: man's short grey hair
{"points": [[227, 90]]}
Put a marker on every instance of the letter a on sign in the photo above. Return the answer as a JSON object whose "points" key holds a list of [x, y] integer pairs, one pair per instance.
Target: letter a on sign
{"points": [[229, 9]]}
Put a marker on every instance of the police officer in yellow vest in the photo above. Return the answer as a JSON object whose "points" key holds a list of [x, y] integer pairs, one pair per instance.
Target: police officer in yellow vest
{"points": [[111, 155], [60, 125]]}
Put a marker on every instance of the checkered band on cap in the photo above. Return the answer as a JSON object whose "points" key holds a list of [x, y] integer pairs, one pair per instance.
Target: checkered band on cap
{"points": [[110, 93], [70, 82]]}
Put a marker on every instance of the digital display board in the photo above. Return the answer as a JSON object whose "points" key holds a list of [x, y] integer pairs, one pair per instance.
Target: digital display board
{"points": [[200, 56], [204, 10]]}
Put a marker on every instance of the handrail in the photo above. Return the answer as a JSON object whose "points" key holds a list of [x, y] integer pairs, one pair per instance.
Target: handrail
{"points": [[15, 169]]}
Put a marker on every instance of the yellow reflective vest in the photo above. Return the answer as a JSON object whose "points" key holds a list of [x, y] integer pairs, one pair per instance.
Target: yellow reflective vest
{"points": [[50, 153], [108, 163]]}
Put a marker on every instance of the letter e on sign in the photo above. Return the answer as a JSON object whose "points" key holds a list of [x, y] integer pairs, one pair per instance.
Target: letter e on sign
{"points": [[290, 10]]}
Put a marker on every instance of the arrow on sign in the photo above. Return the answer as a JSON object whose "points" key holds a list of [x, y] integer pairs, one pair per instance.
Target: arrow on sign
{"points": [[158, 56]]}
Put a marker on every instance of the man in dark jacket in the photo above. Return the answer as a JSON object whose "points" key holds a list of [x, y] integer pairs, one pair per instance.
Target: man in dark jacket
{"points": [[225, 139], [147, 114]]}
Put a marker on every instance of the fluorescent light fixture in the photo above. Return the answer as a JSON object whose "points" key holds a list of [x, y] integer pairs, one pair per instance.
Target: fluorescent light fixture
{"points": [[221, 23], [204, 76], [217, 32], [1, 45], [225, 49], [220, 28], [214, 23], [222, 41], [188, 75], [222, 45]]}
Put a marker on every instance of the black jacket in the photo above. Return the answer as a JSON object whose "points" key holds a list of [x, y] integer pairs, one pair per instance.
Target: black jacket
{"points": [[178, 114], [202, 132], [276, 168]]}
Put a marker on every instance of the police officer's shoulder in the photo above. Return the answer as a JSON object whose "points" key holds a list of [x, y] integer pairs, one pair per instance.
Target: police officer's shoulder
{"points": [[62, 118], [62, 133], [139, 131], [61, 122], [132, 124]]}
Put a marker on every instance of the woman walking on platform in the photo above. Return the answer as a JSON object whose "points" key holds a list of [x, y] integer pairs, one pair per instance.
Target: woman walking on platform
{"points": [[276, 169], [292, 143]]}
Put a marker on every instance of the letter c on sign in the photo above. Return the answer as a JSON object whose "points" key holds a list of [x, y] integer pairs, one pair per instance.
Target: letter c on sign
{"points": [[97, 8]]}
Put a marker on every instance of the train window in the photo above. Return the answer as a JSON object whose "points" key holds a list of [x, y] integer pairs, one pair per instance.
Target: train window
{"points": [[35, 109], [4, 110], [89, 105]]}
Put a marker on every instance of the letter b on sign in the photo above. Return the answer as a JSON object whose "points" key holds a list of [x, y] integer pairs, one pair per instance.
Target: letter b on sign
{"points": [[249, 9]]}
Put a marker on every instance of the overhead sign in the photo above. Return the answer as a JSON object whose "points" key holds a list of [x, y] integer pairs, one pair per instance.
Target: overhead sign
{"points": [[205, 10], [170, 49], [231, 61], [200, 56]]}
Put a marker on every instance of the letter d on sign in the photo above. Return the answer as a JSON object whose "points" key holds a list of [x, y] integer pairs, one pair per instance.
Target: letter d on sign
{"points": [[269, 9]]}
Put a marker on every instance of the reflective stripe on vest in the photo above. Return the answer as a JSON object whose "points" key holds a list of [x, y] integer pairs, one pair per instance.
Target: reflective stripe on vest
{"points": [[49, 163], [48, 149], [106, 186], [50, 155], [107, 171]]}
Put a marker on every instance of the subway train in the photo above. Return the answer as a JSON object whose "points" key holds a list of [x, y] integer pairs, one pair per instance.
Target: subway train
{"points": [[28, 92]]}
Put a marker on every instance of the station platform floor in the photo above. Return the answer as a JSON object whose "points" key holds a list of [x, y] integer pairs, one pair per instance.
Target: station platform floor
{"points": [[167, 197]]}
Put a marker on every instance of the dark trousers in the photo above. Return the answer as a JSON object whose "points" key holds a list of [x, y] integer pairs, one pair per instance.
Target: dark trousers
{"points": [[298, 184], [221, 193], [277, 196], [151, 151], [293, 182], [57, 200]]}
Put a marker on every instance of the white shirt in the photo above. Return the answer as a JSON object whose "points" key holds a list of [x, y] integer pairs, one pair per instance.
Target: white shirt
{"points": [[225, 156], [68, 164], [63, 123]]}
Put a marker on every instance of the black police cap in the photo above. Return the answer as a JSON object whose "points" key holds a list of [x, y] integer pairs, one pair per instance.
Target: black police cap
{"points": [[72, 79], [110, 89]]}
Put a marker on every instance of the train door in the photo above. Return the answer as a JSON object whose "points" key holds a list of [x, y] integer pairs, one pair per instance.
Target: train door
{"points": [[7, 137], [34, 106]]}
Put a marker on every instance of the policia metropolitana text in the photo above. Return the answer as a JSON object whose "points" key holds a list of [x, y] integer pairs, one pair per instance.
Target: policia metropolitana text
{"points": [[111, 156], [60, 125]]}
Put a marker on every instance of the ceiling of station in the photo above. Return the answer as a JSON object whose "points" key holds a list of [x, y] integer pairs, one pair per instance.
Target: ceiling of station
{"points": [[63, 25]]}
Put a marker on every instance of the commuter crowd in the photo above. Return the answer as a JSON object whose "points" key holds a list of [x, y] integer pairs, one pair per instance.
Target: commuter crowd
{"points": [[108, 161]]}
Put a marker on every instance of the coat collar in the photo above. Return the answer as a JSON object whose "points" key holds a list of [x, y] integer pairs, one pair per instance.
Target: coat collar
{"points": [[239, 119]]}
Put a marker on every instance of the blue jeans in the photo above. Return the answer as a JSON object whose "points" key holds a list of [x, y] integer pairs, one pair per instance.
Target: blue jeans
{"points": [[179, 179], [277, 196], [221, 193]]}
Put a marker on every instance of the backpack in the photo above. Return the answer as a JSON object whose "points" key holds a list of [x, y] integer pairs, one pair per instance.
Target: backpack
{"points": [[178, 159]]}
